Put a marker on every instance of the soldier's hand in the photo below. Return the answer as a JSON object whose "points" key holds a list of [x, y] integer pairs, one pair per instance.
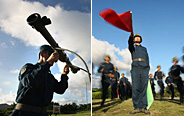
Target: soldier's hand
{"points": [[66, 70], [124, 84], [53, 58], [102, 70], [131, 34], [157, 79], [169, 84]]}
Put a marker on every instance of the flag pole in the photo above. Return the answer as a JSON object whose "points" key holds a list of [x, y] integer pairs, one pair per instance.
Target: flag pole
{"points": [[131, 22]]}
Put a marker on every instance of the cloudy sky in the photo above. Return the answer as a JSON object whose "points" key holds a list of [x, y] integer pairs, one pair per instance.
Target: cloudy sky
{"points": [[19, 43], [160, 22]]}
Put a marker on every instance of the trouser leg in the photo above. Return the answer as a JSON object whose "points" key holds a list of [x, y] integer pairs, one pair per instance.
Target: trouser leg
{"points": [[139, 87], [105, 87]]}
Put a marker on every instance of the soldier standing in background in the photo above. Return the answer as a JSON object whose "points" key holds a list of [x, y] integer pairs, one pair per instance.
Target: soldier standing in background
{"points": [[114, 83], [152, 85], [169, 81], [175, 73], [107, 69], [159, 77]]}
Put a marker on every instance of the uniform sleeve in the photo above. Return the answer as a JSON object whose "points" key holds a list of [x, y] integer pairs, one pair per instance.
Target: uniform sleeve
{"points": [[131, 44], [182, 69], [155, 76], [29, 75], [166, 80], [60, 87], [100, 67]]}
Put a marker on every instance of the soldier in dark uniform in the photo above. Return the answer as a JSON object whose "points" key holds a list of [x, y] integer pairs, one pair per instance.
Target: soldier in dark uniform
{"points": [[107, 69], [152, 85], [139, 74], [114, 81], [169, 81], [37, 85], [175, 73], [159, 77], [123, 87]]}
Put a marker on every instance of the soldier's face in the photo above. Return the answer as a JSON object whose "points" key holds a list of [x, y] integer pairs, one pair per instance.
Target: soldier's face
{"points": [[137, 39], [158, 68], [176, 61], [106, 58], [122, 75], [45, 55], [151, 76]]}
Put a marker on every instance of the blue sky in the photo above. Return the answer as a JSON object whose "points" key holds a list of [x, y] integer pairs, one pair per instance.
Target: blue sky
{"points": [[19, 43], [159, 22]]}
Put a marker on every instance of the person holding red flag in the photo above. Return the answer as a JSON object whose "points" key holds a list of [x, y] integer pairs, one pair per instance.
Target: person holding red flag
{"points": [[139, 74]]}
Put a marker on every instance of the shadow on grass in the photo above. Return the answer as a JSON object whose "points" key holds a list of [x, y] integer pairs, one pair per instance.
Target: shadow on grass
{"points": [[106, 107], [176, 101]]}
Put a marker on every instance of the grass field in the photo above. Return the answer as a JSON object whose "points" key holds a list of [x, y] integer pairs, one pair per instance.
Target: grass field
{"points": [[81, 113], [165, 107]]}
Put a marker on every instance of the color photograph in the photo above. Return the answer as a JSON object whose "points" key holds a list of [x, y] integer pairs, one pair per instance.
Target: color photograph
{"points": [[137, 57], [41, 73]]}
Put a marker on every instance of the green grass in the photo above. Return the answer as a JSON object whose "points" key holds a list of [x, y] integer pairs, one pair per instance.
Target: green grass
{"points": [[116, 108], [81, 113]]}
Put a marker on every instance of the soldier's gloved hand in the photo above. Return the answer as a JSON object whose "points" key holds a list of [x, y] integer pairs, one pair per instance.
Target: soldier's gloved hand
{"points": [[66, 70], [53, 58]]}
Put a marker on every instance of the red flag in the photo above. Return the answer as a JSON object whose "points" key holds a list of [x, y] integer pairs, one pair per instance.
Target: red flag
{"points": [[122, 21]]}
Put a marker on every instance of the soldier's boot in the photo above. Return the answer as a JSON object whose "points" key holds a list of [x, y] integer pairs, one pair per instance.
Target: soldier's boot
{"points": [[144, 110], [136, 110]]}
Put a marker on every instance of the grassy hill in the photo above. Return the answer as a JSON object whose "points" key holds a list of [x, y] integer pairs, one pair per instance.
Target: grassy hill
{"points": [[165, 107]]}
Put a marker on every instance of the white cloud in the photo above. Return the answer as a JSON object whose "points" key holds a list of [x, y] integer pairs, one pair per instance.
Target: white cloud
{"points": [[16, 71], [7, 98], [101, 48], [6, 83], [3, 45], [1, 90], [12, 43], [69, 101]]}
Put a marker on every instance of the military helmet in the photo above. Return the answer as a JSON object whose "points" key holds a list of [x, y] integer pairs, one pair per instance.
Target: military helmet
{"points": [[46, 48], [138, 35], [122, 73]]}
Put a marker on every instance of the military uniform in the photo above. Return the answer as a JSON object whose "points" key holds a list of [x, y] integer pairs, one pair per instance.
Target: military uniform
{"points": [[175, 73], [139, 74], [159, 75], [114, 84], [36, 88], [153, 87], [168, 80], [123, 88], [106, 81]]}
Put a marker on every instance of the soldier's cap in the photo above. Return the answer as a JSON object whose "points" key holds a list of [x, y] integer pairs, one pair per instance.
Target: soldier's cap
{"points": [[115, 67], [150, 74], [122, 73], [108, 56], [138, 35], [158, 66], [175, 59], [46, 48]]}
